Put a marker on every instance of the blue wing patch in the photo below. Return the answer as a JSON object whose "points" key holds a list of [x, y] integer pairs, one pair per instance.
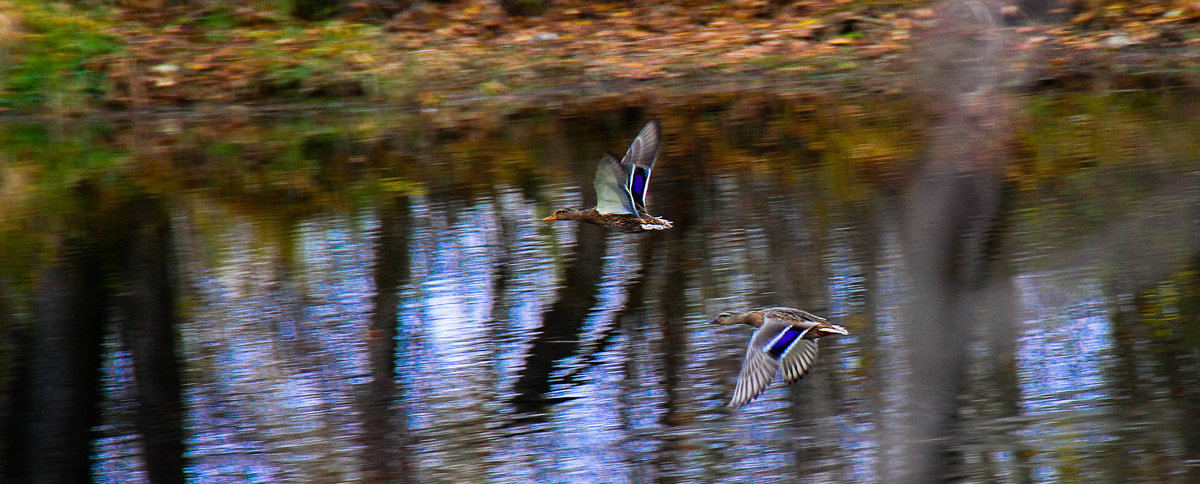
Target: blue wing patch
{"points": [[637, 184], [778, 346]]}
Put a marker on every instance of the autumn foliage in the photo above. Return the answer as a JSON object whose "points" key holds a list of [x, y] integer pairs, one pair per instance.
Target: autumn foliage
{"points": [[427, 53]]}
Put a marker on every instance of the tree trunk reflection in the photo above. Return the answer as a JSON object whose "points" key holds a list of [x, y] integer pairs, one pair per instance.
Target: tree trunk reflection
{"points": [[149, 330], [70, 311], [681, 254], [386, 453], [558, 336]]}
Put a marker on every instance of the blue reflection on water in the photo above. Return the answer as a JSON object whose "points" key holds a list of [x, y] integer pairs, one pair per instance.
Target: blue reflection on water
{"points": [[1066, 333], [277, 353], [1060, 355], [848, 297], [453, 274], [118, 451]]}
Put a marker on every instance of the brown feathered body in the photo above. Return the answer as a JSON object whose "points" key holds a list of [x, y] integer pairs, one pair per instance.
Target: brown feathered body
{"points": [[621, 186], [620, 222], [783, 338]]}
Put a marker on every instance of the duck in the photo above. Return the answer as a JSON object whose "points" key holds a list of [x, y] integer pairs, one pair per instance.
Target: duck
{"points": [[621, 186], [783, 337]]}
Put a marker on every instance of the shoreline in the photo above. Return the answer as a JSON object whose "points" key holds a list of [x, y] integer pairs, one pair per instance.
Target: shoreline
{"points": [[447, 56]]}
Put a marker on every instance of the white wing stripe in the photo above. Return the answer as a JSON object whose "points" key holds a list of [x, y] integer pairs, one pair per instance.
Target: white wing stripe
{"points": [[628, 185]]}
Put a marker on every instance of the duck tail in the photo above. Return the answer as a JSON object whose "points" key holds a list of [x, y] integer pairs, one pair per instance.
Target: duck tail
{"points": [[826, 329]]}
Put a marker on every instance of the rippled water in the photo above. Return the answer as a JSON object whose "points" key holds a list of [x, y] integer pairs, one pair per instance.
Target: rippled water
{"points": [[417, 320]]}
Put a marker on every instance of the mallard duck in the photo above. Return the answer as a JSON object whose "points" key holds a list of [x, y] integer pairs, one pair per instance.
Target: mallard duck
{"points": [[785, 337], [621, 188]]}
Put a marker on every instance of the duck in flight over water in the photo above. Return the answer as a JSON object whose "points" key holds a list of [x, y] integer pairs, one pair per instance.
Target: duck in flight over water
{"points": [[784, 337], [621, 188]]}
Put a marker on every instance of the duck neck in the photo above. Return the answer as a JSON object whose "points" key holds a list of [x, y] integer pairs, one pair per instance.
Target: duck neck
{"points": [[752, 318]]}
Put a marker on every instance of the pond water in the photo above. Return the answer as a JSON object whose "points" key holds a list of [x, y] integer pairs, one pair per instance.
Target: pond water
{"points": [[340, 296]]}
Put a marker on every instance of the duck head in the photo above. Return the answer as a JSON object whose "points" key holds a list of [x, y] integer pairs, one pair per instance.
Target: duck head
{"points": [[729, 318], [566, 214]]}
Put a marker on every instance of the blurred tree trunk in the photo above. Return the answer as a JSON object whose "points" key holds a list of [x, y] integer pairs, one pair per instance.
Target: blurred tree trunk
{"points": [[939, 328], [62, 381], [386, 456], [149, 330], [14, 338], [997, 303], [1124, 371], [378, 10], [155, 4], [315, 9], [524, 8], [948, 213], [558, 336], [673, 328], [1178, 359]]}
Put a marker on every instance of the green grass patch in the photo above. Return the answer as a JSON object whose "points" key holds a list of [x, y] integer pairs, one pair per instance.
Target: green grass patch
{"points": [[48, 65]]}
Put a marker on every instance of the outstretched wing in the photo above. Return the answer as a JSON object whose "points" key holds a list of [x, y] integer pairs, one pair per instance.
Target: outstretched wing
{"points": [[795, 354], [757, 371], [760, 365], [612, 189], [798, 360], [639, 161]]}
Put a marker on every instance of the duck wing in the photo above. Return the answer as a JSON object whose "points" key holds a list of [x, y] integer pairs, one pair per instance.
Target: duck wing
{"points": [[639, 161], [612, 187], [760, 365], [796, 354], [798, 360]]}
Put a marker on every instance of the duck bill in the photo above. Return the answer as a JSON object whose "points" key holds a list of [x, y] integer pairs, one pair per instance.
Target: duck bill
{"points": [[552, 217]]}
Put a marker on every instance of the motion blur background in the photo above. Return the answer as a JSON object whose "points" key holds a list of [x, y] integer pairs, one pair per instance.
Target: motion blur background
{"points": [[302, 241]]}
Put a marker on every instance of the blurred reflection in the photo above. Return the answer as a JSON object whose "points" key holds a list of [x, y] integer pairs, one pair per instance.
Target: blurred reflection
{"points": [[59, 393], [386, 441], [117, 265], [559, 334], [384, 304]]}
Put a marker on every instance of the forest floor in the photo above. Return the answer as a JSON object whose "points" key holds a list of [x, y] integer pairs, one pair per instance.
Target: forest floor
{"points": [[63, 59]]}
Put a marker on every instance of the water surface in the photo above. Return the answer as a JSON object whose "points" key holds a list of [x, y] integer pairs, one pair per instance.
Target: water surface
{"points": [[357, 296]]}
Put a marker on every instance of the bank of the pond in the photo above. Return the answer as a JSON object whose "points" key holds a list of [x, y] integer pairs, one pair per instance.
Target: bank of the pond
{"points": [[64, 58]]}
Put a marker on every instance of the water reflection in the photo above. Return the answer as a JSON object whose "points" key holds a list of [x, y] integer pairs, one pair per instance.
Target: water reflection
{"points": [[392, 325]]}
